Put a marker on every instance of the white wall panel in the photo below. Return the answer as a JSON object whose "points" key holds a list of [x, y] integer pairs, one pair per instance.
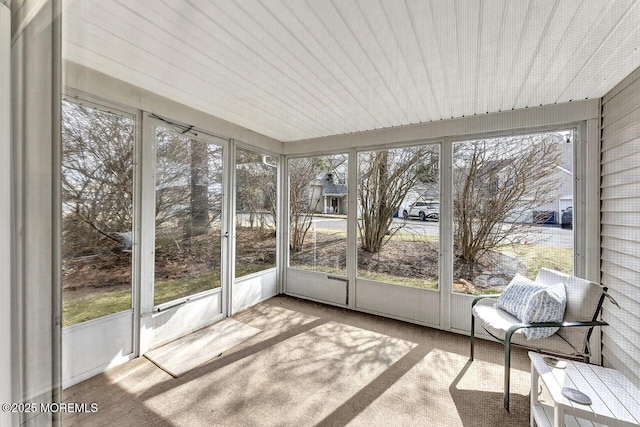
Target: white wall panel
{"points": [[620, 225], [248, 291], [461, 316], [95, 346], [403, 302], [317, 286], [624, 106], [165, 326]]}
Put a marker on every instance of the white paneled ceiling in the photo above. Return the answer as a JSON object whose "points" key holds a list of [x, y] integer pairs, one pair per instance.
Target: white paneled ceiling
{"points": [[296, 69]]}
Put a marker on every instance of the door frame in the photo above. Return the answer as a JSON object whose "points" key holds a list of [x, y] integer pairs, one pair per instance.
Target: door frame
{"points": [[375, 297], [84, 344], [163, 323], [333, 284]]}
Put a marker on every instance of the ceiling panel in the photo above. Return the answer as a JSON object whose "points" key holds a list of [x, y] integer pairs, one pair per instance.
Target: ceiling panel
{"points": [[294, 70]]}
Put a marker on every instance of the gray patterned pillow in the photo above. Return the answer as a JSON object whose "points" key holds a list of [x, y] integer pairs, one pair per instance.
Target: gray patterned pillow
{"points": [[515, 296], [533, 302], [546, 305]]}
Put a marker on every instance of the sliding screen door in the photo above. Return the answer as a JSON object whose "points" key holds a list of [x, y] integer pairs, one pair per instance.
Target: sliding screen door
{"points": [[188, 221]]}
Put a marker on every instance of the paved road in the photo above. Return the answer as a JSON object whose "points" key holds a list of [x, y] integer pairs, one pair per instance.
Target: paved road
{"points": [[543, 235]]}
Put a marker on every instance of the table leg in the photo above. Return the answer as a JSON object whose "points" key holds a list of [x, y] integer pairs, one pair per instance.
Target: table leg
{"points": [[558, 416], [534, 394]]}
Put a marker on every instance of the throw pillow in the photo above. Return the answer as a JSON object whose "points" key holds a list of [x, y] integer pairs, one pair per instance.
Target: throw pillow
{"points": [[515, 296], [545, 305]]}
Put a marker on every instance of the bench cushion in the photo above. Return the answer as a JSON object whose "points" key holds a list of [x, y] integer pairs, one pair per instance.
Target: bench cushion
{"points": [[497, 321]]}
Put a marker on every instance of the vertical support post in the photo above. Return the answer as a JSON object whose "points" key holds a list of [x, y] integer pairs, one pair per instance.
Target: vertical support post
{"points": [[445, 285], [6, 256], [228, 225], [558, 416], [147, 229], [590, 142], [352, 226], [282, 230], [36, 327], [137, 225]]}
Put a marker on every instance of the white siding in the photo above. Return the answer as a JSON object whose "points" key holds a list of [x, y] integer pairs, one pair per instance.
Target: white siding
{"points": [[620, 224]]}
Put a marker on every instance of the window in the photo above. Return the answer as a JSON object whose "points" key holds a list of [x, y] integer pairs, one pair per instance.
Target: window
{"points": [[188, 216], [398, 216], [256, 208], [318, 213], [512, 199], [97, 212]]}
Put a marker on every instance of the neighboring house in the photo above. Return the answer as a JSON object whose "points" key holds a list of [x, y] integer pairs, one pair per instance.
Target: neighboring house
{"points": [[328, 195], [562, 197]]}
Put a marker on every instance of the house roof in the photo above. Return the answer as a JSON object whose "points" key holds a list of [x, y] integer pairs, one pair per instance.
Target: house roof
{"points": [[295, 70], [331, 189]]}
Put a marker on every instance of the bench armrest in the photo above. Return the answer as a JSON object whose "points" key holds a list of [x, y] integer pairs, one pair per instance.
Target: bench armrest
{"points": [[481, 297], [517, 326]]}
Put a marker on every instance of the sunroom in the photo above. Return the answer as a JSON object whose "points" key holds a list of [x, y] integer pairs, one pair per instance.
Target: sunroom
{"points": [[316, 189]]}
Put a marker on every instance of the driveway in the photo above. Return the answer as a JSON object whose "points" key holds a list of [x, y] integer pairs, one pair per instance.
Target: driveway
{"points": [[545, 235]]}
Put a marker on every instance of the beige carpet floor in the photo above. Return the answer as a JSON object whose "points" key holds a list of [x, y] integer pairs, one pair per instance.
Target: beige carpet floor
{"points": [[313, 364]]}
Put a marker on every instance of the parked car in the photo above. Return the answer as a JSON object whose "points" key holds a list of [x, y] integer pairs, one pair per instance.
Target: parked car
{"points": [[423, 210], [566, 220]]}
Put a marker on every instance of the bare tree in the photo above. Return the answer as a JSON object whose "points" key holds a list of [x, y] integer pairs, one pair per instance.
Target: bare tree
{"points": [[97, 177], [256, 194], [496, 181], [188, 183], [302, 172], [199, 188], [386, 177]]}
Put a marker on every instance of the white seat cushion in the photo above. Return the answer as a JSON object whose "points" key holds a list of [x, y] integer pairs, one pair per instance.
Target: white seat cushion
{"points": [[497, 322]]}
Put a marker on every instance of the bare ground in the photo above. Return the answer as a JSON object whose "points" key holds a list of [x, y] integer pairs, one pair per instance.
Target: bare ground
{"points": [[109, 267], [411, 259], [418, 260]]}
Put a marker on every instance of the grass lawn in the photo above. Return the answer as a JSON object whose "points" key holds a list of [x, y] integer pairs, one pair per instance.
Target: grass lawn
{"points": [[91, 303], [169, 290], [535, 257], [96, 302]]}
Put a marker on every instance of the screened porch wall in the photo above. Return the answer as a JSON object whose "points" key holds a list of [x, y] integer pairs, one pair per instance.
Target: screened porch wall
{"points": [[620, 224]]}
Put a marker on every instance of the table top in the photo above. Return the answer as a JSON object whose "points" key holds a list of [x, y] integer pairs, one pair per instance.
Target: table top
{"points": [[615, 399]]}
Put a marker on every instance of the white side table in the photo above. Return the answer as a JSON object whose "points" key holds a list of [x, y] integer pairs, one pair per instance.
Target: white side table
{"points": [[615, 399]]}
